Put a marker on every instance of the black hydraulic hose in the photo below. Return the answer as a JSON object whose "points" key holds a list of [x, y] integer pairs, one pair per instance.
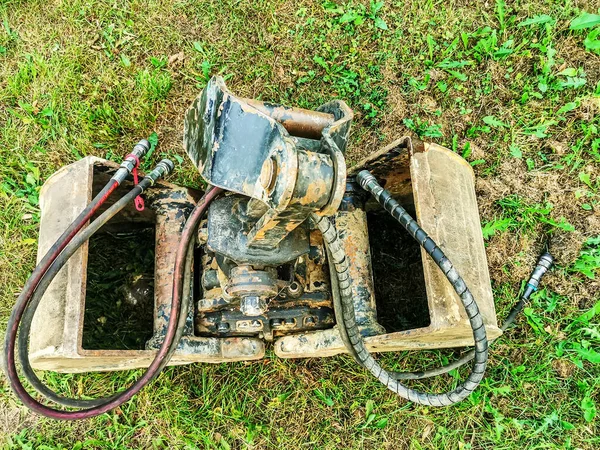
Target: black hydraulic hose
{"points": [[25, 328], [330, 236], [125, 169], [543, 265], [112, 402], [338, 307], [41, 269]]}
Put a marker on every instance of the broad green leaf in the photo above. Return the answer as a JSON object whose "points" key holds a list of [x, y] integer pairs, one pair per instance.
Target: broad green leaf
{"points": [[153, 139], [537, 20], [381, 423], [587, 316], [568, 72], [585, 20], [534, 320], [30, 179], [593, 333], [584, 177], [321, 62], [567, 107], [502, 390], [593, 241], [591, 41], [562, 223], [458, 75], [501, 9], [376, 7], [380, 23], [33, 199], [505, 50], [430, 45], [516, 152], [466, 150], [589, 408], [490, 228], [370, 418], [493, 122], [349, 16], [333, 8]]}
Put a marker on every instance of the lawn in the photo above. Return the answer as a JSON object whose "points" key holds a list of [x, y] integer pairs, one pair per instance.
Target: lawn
{"points": [[514, 87]]}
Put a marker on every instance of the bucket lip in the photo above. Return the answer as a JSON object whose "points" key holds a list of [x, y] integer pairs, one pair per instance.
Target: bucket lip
{"points": [[430, 145], [52, 179]]}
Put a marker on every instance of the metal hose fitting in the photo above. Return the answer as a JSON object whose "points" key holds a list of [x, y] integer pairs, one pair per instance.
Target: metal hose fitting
{"points": [[543, 265], [546, 262], [162, 169], [130, 162]]}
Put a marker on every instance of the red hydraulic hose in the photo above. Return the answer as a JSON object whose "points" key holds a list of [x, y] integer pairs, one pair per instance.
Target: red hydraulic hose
{"points": [[161, 357], [42, 267]]}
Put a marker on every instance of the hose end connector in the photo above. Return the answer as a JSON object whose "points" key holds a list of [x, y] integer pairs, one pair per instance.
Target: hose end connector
{"points": [[365, 179], [141, 148], [139, 151], [162, 169], [369, 183], [545, 263], [132, 160]]}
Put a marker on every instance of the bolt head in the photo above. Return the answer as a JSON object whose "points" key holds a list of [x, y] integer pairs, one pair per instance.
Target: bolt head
{"points": [[223, 327], [253, 305]]}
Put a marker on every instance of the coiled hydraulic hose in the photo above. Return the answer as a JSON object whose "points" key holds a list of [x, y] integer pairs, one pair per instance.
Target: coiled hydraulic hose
{"points": [[349, 329], [163, 168], [22, 313], [126, 167], [544, 264]]}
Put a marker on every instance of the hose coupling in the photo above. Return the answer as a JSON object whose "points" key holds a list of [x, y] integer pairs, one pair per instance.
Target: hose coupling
{"points": [[543, 265], [162, 169], [131, 161], [367, 181]]}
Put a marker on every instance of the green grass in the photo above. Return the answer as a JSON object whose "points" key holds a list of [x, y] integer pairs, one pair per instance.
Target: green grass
{"points": [[511, 86]]}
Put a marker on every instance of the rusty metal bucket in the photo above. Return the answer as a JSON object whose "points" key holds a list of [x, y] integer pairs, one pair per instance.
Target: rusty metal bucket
{"points": [[56, 341], [441, 187]]}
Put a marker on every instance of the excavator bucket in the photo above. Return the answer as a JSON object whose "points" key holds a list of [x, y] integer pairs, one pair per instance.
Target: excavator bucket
{"points": [[439, 186], [434, 182]]}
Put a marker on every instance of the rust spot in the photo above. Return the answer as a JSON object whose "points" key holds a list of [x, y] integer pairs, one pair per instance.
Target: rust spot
{"points": [[297, 121]]}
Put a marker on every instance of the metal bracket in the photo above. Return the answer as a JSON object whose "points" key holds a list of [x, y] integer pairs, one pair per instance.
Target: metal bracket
{"points": [[246, 147]]}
